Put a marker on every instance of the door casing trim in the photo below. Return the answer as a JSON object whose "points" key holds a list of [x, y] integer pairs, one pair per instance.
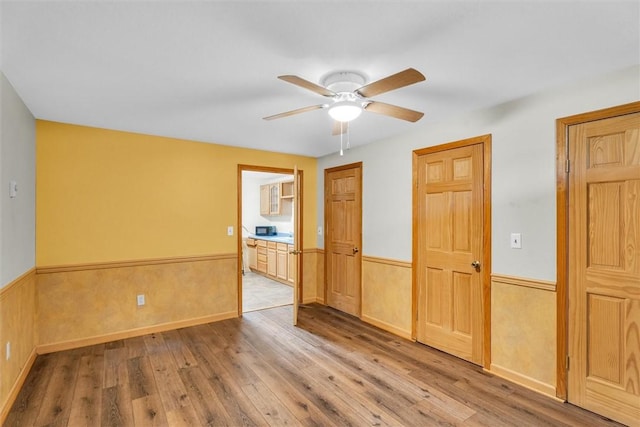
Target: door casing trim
{"points": [[485, 141], [562, 218]]}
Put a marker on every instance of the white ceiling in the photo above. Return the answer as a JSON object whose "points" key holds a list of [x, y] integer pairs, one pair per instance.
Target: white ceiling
{"points": [[206, 71]]}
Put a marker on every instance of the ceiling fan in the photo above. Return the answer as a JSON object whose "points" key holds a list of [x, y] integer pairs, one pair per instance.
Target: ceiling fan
{"points": [[350, 95]]}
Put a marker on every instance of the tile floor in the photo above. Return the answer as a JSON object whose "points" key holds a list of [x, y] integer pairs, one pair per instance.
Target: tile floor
{"points": [[259, 292]]}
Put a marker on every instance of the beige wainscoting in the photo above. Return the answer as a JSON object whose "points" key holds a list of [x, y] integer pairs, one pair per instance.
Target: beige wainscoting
{"points": [[523, 332], [17, 326], [89, 304], [386, 294], [313, 276]]}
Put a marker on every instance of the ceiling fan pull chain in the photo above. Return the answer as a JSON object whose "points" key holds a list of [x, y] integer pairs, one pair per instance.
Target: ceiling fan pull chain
{"points": [[348, 136], [341, 133]]}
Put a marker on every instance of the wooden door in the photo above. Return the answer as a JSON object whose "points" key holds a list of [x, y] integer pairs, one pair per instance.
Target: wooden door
{"points": [[449, 228], [343, 224], [604, 267], [291, 264], [297, 242]]}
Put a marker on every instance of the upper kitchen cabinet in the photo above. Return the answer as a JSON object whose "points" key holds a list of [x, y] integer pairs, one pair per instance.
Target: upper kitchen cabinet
{"points": [[286, 190], [265, 205], [272, 196]]}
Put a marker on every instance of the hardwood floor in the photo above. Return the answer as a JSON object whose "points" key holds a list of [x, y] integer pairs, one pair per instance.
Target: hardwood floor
{"points": [[260, 370]]}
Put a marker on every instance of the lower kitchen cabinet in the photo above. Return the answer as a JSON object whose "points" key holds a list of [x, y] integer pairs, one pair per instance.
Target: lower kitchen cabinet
{"points": [[273, 260], [252, 253], [261, 246], [281, 261]]}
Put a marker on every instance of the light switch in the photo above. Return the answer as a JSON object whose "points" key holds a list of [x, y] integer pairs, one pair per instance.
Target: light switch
{"points": [[230, 230], [516, 241], [13, 189]]}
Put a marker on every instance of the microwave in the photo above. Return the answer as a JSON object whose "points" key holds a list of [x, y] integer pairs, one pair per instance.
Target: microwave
{"points": [[266, 230]]}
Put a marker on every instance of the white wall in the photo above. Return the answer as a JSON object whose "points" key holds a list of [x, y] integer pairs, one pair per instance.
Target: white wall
{"points": [[251, 203], [17, 162], [523, 173]]}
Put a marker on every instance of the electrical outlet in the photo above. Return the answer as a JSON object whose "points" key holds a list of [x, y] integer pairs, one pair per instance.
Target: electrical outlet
{"points": [[8, 350], [319, 231], [140, 299]]}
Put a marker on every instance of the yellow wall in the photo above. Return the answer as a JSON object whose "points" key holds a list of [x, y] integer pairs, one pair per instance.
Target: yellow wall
{"points": [[121, 214], [105, 195]]}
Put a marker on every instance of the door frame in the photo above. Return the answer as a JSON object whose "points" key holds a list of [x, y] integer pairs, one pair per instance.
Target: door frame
{"points": [[485, 141], [267, 169], [562, 230], [326, 228]]}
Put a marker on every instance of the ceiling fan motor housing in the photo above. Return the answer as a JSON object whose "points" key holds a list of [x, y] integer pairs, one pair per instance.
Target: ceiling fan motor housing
{"points": [[342, 82]]}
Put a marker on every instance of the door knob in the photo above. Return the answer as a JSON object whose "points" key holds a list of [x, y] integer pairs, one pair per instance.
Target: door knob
{"points": [[476, 265], [355, 250]]}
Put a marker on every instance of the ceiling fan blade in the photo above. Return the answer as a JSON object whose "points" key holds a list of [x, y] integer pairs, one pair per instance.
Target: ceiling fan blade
{"points": [[299, 81], [395, 81], [338, 129], [394, 111], [296, 111]]}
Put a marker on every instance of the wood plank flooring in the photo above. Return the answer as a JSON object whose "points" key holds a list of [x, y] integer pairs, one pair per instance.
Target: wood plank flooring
{"points": [[331, 370]]}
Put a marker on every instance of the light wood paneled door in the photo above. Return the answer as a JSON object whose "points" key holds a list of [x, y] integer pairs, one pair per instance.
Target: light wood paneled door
{"points": [[343, 225], [296, 253], [604, 267], [449, 227]]}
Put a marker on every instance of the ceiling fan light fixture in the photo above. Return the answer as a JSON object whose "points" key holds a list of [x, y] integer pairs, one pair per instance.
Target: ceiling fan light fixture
{"points": [[345, 111]]}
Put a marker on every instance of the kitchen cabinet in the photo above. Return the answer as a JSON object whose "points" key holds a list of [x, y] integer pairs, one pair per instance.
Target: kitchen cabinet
{"points": [[261, 250], [291, 265], [264, 199], [270, 199], [286, 190], [252, 253], [272, 259], [273, 197], [281, 263]]}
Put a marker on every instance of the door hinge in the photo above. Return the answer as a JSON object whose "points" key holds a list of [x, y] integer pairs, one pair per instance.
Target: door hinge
{"points": [[567, 363], [567, 166]]}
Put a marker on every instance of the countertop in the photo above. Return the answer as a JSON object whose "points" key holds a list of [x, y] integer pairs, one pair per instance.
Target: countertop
{"points": [[280, 238]]}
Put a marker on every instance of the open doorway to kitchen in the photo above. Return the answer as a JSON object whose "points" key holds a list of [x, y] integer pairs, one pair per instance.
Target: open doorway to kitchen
{"points": [[267, 225]]}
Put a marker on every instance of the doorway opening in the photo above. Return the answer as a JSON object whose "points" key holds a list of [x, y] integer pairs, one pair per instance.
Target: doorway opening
{"points": [[266, 215]]}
